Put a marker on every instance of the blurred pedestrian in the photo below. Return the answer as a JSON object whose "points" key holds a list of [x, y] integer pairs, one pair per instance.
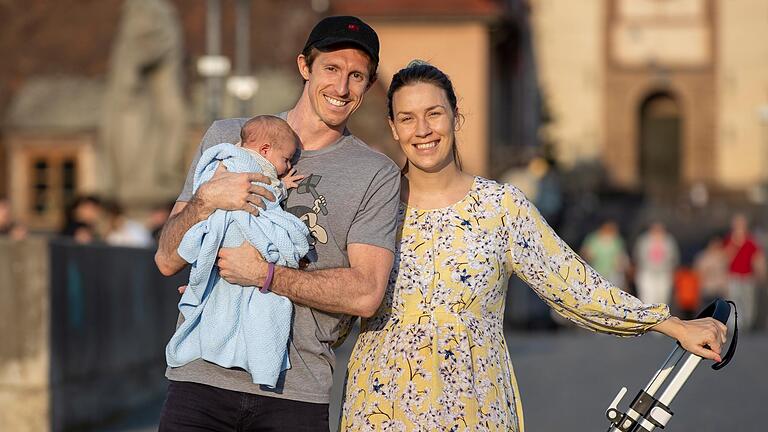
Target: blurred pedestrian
{"points": [[711, 265], [124, 231], [746, 265], [83, 217], [604, 250], [8, 226], [656, 257], [157, 217]]}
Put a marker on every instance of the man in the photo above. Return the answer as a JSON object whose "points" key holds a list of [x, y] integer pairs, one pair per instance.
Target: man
{"points": [[348, 199]]}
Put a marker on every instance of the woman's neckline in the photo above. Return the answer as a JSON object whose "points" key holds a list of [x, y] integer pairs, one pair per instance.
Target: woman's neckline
{"points": [[472, 188]]}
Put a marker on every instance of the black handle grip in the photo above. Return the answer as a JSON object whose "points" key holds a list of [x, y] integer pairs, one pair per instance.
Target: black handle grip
{"points": [[718, 309], [721, 310]]}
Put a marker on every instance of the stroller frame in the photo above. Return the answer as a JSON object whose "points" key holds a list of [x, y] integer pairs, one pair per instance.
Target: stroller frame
{"points": [[646, 412]]}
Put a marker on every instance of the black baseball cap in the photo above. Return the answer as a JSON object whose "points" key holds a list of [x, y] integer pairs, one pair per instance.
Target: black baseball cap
{"points": [[344, 29]]}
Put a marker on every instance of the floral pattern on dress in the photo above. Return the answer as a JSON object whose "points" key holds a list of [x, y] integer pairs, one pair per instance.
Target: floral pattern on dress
{"points": [[434, 355]]}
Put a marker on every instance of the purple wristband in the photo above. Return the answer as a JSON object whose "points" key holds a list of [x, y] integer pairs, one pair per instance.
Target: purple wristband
{"points": [[268, 281]]}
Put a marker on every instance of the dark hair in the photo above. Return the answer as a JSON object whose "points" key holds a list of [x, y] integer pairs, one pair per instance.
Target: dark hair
{"points": [[310, 54], [419, 71]]}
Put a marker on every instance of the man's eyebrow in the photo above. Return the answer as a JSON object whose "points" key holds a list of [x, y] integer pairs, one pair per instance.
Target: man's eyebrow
{"points": [[328, 62]]}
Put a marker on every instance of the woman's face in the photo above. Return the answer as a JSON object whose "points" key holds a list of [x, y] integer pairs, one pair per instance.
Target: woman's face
{"points": [[423, 124]]}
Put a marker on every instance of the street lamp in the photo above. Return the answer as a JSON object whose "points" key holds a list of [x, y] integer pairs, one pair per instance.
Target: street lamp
{"points": [[213, 66], [242, 85]]}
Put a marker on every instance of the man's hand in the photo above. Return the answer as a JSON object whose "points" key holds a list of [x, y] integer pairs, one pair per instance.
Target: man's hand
{"points": [[291, 179], [242, 265], [234, 191]]}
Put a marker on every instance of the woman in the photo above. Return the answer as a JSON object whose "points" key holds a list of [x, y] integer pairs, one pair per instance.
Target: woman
{"points": [[434, 355], [656, 256]]}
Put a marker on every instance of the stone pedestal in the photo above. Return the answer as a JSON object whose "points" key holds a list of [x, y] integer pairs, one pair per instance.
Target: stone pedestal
{"points": [[82, 333], [24, 326]]}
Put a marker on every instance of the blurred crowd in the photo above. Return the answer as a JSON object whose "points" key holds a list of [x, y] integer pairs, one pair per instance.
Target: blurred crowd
{"points": [[89, 219], [732, 265]]}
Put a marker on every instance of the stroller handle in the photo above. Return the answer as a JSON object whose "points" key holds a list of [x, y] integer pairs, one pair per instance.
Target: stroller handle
{"points": [[721, 310]]}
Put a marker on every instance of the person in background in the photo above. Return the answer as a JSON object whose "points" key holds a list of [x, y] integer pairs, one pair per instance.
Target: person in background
{"points": [[9, 227], [82, 219], [746, 266], [711, 265], [157, 217], [656, 257], [124, 231], [604, 250]]}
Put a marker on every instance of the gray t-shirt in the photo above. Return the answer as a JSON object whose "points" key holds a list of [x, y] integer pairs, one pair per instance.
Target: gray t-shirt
{"points": [[349, 195]]}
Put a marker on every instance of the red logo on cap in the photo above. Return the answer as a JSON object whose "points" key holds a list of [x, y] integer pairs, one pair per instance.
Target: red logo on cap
{"points": [[353, 27]]}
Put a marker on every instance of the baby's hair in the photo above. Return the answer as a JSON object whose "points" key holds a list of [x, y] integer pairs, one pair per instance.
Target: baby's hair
{"points": [[268, 128]]}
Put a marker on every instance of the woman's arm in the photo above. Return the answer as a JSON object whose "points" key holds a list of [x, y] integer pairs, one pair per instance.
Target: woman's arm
{"points": [[579, 293], [565, 281]]}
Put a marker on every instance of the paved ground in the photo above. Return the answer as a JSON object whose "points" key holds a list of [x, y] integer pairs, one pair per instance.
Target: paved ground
{"points": [[568, 378]]}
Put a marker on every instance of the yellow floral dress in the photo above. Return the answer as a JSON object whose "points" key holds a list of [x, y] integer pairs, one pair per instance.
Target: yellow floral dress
{"points": [[434, 356]]}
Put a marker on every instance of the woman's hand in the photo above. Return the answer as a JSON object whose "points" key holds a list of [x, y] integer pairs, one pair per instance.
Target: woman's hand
{"points": [[703, 337]]}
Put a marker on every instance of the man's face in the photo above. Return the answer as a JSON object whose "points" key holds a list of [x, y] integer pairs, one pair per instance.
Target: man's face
{"points": [[336, 84]]}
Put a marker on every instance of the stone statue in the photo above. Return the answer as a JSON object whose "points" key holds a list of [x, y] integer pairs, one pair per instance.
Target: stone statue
{"points": [[143, 126]]}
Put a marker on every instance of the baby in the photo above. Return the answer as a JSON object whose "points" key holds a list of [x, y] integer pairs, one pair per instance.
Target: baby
{"points": [[230, 325], [272, 143]]}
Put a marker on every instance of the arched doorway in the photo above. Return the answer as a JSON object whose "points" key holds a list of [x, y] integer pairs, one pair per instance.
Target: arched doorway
{"points": [[660, 145]]}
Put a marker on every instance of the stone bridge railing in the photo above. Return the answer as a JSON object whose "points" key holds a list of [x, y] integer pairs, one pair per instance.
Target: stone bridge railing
{"points": [[82, 332]]}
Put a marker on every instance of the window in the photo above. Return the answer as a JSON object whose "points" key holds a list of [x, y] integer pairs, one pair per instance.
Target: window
{"points": [[52, 184]]}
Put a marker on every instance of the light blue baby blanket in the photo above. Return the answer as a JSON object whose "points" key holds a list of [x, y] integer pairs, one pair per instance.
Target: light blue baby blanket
{"points": [[231, 325]]}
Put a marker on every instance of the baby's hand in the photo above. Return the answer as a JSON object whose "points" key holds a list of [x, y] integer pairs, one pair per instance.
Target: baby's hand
{"points": [[291, 179]]}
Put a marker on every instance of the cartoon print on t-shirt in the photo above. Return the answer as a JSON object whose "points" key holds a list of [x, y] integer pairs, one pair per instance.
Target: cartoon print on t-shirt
{"points": [[310, 215]]}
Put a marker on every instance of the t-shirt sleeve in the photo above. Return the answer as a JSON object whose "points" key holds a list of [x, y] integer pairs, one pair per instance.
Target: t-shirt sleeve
{"points": [[221, 131], [376, 220]]}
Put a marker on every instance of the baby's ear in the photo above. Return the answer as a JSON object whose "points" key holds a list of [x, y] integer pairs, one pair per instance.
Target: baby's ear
{"points": [[264, 148]]}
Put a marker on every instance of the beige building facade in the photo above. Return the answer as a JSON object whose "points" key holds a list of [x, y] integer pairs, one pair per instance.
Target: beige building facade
{"points": [[484, 47], [664, 93]]}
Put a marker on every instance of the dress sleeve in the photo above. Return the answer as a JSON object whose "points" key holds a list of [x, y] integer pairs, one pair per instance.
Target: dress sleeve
{"points": [[564, 280]]}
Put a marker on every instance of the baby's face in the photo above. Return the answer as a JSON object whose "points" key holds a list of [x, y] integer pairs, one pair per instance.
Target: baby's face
{"points": [[280, 156]]}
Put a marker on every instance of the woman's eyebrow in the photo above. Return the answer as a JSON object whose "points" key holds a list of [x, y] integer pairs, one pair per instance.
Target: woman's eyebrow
{"points": [[427, 109]]}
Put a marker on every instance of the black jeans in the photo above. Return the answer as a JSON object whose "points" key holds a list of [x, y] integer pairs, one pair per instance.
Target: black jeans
{"points": [[198, 407]]}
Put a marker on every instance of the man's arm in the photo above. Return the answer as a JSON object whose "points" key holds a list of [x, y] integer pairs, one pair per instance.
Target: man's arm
{"points": [[182, 218], [357, 290], [226, 191]]}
